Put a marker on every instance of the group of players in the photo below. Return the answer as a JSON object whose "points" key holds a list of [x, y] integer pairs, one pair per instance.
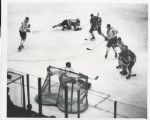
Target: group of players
{"points": [[126, 58]]}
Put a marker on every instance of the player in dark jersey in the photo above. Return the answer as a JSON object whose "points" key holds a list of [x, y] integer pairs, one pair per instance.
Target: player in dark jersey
{"points": [[95, 23], [68, 24], [128, 59]]}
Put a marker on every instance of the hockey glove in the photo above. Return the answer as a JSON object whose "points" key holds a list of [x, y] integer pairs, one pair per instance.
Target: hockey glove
{"points": [[28, 30], [29, 26]]}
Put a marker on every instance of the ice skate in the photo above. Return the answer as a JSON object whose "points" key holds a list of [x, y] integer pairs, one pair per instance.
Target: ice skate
{"points": [[118, 67], [22, 46], [92, 39], [123, 72], [19, 48], [128, 76]]}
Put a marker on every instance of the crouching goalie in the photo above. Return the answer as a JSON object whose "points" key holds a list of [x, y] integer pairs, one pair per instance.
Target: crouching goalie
{"points": [[127, 59], [68, 24]]}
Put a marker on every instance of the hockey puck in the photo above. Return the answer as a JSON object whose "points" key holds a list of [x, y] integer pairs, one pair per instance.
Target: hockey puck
{"points": [[96, 77], [85, 39]]}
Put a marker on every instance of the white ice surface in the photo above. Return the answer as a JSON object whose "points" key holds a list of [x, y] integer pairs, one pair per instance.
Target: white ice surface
{"points": [[46, 46]]}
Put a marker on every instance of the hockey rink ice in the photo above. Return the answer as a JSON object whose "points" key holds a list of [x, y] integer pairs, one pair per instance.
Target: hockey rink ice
{"points": [[46, 46]]}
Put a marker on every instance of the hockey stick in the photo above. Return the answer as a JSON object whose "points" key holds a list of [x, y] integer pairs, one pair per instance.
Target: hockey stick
{"points": [[94, 47], [95, 78]]}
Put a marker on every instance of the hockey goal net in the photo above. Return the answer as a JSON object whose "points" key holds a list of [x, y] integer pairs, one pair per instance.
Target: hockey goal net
{"points": [[74, 81]]}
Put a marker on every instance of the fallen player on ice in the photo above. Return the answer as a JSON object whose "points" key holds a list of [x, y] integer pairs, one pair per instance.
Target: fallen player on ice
{"points": [[68, 24]]}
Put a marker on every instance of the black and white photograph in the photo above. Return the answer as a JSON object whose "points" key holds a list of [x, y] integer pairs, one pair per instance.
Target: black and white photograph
{"points": [[77, 60]]}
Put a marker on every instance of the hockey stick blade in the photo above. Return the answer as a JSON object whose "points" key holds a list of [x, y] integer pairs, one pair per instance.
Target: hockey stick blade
{"points": [[88, 49], [133, 75]]}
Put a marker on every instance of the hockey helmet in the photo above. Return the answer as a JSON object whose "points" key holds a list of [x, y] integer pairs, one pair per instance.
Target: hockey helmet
{"points": [[27, 18], [68, 64], [91, 15]]}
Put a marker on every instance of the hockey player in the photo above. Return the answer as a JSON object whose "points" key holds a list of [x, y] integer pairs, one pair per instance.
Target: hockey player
{"points": [[73, 80], [128, 59], [24, 28], [95, 23], [68, 24], [111, 39]]}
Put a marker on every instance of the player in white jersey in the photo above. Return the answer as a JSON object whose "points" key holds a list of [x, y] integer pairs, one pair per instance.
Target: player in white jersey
{"points": [[111, 39], [65, 74], [24, 28]]}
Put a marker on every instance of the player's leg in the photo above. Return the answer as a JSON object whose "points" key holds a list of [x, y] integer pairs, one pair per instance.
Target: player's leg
{"points": [[119, 62], [23, 38], [107, 48], [114, 45], [22, 43], [130, 66], [92, 34], [124, 66], [124, 69], [114, 48], [60, 24], [64, 27], [68, 25], [57, 25]]}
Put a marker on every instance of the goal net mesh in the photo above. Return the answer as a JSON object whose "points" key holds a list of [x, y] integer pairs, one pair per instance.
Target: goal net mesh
{"points": [[74, 82]]}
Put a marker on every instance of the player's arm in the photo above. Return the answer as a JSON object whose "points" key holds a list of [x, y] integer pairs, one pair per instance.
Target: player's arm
{"points": [[115, 31], [28, 26]]}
